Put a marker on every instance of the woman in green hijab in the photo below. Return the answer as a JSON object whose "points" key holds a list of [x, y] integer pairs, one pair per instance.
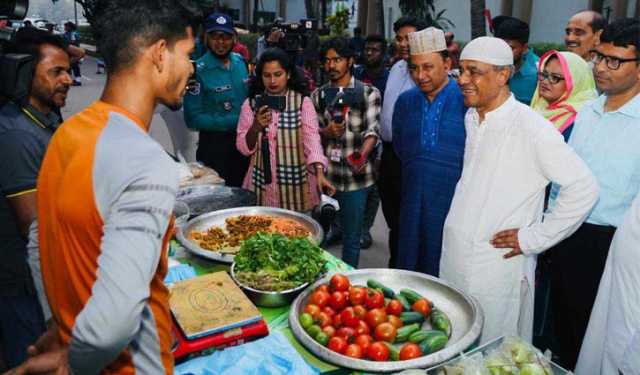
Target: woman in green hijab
{"points": [[565, 84]]}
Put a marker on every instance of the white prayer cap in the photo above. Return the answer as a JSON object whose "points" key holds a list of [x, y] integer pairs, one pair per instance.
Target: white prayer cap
{"points": [[426, 41], [489, 50]]}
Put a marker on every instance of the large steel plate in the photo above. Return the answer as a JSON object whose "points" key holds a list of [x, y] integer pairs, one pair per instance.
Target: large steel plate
{"points": [[217, 218], [464, 312]]}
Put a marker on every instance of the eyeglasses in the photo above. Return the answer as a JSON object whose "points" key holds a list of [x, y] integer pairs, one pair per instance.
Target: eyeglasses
{"points": [[612, 62], [552, 78]]}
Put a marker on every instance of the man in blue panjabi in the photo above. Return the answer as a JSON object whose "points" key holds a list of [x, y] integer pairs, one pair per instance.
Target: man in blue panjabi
{"points": [[429, 138]]}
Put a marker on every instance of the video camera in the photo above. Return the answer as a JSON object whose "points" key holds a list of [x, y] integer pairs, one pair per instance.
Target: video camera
{"points": [[338, 98], [16, 70], [294, 34]]}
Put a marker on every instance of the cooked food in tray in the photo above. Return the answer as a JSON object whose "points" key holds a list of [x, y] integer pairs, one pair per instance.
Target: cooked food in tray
{"points": [[239, 228]]}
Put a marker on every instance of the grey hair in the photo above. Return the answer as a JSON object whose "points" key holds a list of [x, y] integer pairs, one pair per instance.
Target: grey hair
{"points": [[511, 68]]}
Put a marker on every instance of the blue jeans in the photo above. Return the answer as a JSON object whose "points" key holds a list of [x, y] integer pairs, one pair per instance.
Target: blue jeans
{"points": [[352, 208], [21, 324]]}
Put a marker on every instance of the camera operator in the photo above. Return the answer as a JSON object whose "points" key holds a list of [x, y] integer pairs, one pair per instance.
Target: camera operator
{"points": [[213, 106], [292, 154], [349, 134], [25, 131]]}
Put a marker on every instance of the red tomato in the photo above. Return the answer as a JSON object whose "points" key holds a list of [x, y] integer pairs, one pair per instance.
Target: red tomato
{"points": [[346, 296], [357, 295], [329, 331], [374, 299], [339, 283], [395, 321], [349, 318], [323, 288], [312, 309], [385, 332], [337, 321], [360, 311], [377, 351], [375, 317], [410, 351], [362, 328], [346, 333], [353, 351], [337, 301], [320, 298], [337, 344], [329, 311], [422, 306], [394, 307], [363, 341], [323, 319]]}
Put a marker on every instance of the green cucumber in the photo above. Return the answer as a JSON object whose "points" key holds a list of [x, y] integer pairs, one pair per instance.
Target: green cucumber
{"points": [[406, 306], [374, 284], [411, 295], [403, 333], [419, 336], [409, 317], [394, 353], [434, 342], [440, 321]]}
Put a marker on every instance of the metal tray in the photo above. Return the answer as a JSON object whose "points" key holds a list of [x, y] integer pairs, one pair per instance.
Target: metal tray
{"points": [[464, 312], [217, 218]]}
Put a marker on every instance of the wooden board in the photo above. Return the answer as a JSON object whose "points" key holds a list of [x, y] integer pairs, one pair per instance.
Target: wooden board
{"points": [[211, 303]]}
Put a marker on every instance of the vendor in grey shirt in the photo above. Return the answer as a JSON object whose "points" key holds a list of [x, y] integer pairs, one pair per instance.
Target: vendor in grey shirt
{"points": [[25, 131]]}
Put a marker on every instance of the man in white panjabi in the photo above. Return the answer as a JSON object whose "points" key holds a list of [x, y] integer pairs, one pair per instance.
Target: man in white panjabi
{"points": [[612, 342], [511, 155]]}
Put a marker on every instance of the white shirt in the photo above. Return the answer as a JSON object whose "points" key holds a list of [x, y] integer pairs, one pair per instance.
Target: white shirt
{"points": [[612, 341], [398, 82], [509, 160]]}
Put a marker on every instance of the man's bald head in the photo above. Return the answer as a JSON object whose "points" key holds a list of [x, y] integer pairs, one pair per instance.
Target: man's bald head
{"points": [[583, 32]]}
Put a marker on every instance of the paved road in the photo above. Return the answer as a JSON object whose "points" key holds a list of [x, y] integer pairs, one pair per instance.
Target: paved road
{"points": [[81, 96]]}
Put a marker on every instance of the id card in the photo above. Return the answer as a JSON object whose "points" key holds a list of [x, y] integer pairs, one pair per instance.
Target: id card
{"points": [[335, 155]]}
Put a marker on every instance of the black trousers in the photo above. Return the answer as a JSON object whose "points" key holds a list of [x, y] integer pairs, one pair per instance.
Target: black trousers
{"points": [[218, 151], [390, 189], [577, 264]]}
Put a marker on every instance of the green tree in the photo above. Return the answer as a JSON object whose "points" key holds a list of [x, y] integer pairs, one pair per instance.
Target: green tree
{"points": [[426, 10], [339, 21]]}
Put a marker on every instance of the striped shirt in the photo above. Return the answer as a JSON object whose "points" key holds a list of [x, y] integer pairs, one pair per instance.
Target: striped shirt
{"points": [[313, 152], [105, 196], [360, 124]]}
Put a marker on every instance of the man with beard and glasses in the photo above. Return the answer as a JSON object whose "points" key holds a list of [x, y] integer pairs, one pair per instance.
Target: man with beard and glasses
{"points": [[583, 31], [428, 137], [349, 133], [372, 72], [524, 80], [399, 81], [496, 225], [606, 134], [213, 105], [25, 131], [105, 195]]}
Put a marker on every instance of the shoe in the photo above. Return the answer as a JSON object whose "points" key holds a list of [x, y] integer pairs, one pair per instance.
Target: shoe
{"points": [[332, 237], [99, 72], [76, 83], [366, 241]]}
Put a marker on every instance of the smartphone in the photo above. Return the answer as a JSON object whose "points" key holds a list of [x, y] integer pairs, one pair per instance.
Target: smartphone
{"points": [[356, 159], [276, 102]]}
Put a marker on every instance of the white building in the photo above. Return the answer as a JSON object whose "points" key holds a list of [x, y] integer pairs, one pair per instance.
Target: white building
{"points": [[547, 18]]}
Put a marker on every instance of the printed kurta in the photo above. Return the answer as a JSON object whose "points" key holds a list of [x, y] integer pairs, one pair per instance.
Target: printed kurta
{"points": [[428, 137]]}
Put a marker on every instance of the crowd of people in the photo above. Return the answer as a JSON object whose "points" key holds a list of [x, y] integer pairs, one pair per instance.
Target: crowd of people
{"points": [[484, 159]]}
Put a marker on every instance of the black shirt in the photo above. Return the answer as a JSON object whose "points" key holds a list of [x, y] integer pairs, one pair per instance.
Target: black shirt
{"points": [[23, 142]]}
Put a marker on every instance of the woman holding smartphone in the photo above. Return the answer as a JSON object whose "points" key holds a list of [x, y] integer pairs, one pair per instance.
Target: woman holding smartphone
{"points": [[287, 167]]}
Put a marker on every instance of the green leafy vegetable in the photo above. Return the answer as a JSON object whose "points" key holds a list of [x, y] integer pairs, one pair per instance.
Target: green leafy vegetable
{"points": [[275, 262]]}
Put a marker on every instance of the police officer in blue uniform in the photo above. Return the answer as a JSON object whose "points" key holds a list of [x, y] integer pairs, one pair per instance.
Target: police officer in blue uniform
{"points": [[212, 106]]}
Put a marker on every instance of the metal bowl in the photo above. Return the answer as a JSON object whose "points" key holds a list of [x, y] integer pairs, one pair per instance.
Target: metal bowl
{"points": [[266, 298], [464, 312], [217, 218]]}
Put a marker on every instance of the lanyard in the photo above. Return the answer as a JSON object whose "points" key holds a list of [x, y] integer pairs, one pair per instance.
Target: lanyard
{"points": [[33, 118]]}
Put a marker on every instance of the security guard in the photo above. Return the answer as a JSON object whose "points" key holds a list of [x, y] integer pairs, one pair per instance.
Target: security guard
{"points": [[212, 106]]}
